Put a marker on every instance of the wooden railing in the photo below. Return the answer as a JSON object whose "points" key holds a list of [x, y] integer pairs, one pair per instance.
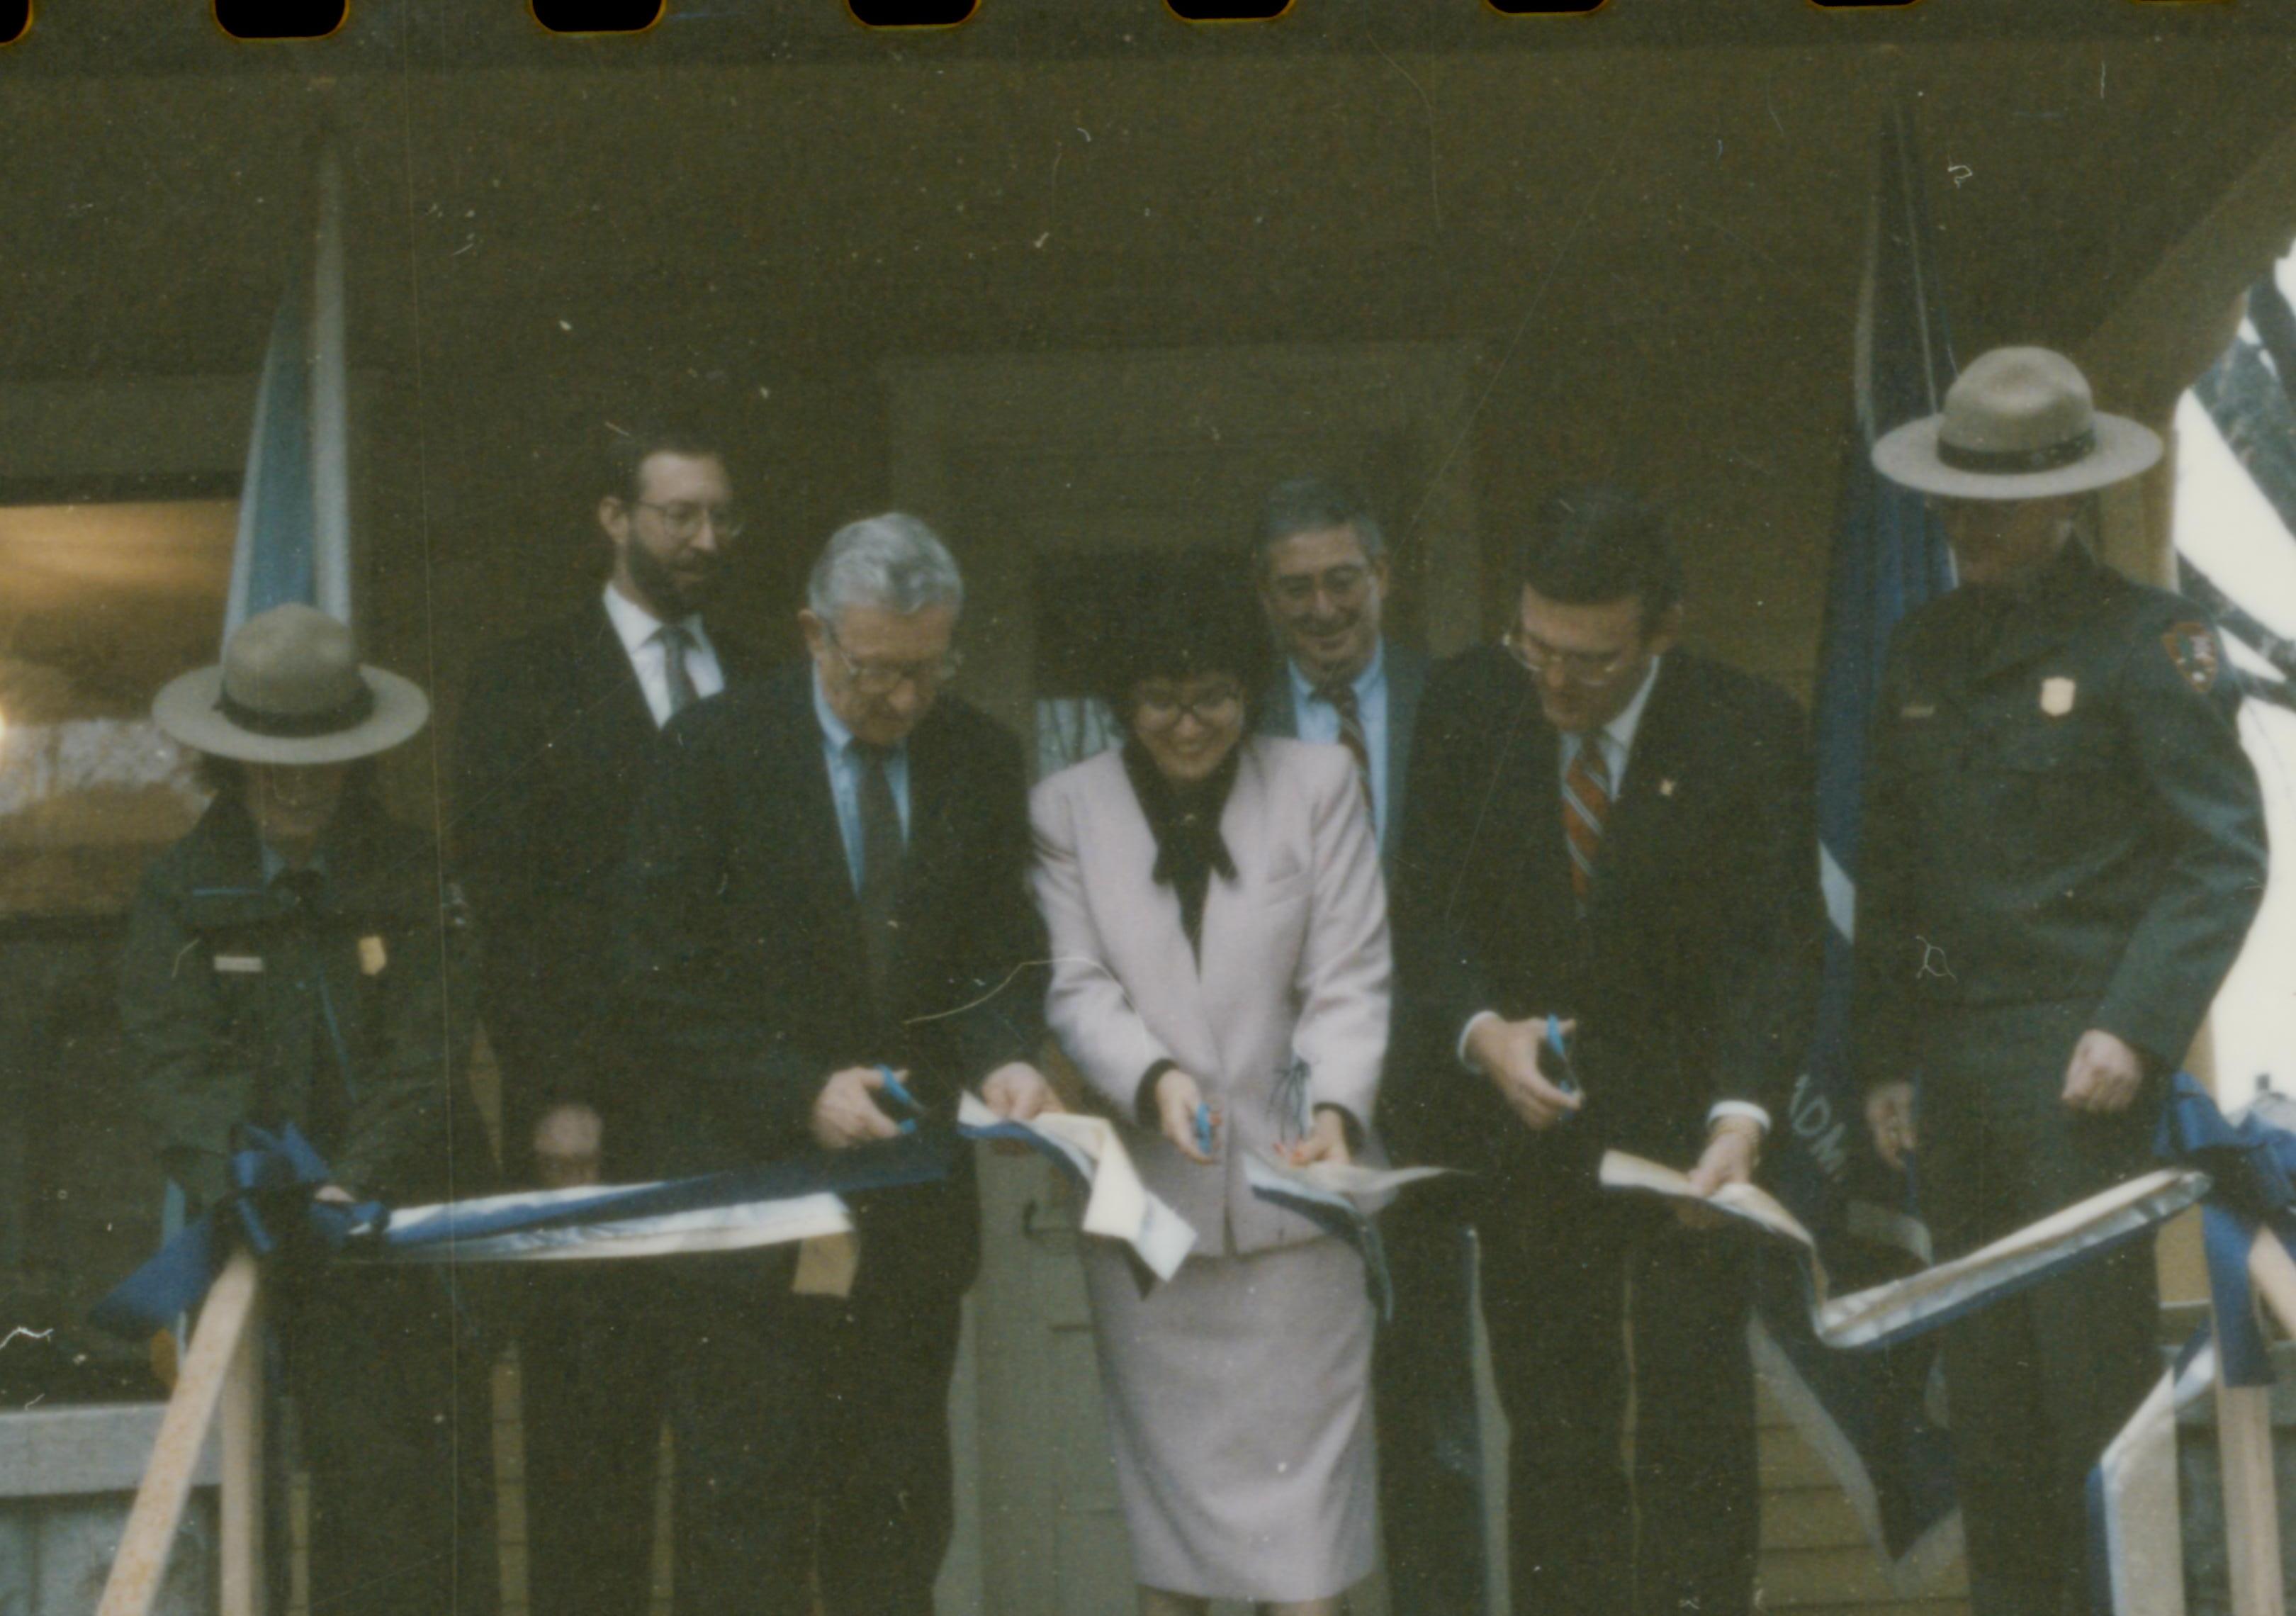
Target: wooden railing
{"points": [[221, 1378]]}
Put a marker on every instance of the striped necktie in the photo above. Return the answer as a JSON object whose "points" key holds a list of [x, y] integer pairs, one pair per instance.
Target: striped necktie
{"points": [[1341, 695], [1586, 804]]}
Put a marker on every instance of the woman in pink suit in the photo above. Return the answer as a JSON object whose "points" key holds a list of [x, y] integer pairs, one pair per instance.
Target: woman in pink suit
{"points": [[1219, 938]]}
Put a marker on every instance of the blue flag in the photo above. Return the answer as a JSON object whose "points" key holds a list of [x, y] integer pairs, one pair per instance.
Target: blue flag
{"points": [[294, 540], [294, 503], [1864, 1412]]}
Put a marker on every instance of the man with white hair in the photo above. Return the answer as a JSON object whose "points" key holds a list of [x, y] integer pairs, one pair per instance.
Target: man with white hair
{"points": [[826, 934]]}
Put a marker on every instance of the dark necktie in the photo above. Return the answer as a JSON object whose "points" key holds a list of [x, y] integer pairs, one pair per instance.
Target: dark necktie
{"points": [[1586, 804], [880, 864], [674, 674], [1341, 695]]}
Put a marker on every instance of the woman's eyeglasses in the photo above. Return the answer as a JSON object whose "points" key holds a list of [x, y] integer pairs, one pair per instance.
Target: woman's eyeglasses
{"points": [[1157, 709]]}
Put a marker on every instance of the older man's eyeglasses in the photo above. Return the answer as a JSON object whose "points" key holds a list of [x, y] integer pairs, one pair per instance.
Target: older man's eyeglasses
{"points": [[1297, 591], [681, 519], [883, 678], [1587, 669], [1156, 708]]}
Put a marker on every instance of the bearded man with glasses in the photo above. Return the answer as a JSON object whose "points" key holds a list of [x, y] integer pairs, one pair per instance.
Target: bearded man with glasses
{"points": [[1608, 847], [557, 737]]}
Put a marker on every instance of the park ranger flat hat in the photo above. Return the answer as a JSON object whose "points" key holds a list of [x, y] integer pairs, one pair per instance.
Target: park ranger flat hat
{"points": [[291, 690], [2019, 423]]}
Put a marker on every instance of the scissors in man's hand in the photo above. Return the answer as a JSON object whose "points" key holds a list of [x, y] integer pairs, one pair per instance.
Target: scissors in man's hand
{"points": [[897, 1093], [1558, 1071], [1204, 1127]]}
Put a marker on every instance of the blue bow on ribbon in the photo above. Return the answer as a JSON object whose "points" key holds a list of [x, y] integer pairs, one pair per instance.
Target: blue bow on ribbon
{"points": [[273, 1209], [2252, 1166]]}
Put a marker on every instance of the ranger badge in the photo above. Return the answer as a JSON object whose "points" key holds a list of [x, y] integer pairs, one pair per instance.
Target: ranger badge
{"points": [[2194, 650]]}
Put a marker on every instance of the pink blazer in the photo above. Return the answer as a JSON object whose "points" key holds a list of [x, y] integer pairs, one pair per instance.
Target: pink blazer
{"points": [[1289, 1007]]}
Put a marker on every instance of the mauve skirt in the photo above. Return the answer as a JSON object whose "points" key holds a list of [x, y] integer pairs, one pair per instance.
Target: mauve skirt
{"points": [[1239, 1408]]}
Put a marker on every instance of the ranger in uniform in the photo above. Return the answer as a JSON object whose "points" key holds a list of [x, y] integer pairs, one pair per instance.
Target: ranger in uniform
{"points": [[2063, 847], [293, 960]]}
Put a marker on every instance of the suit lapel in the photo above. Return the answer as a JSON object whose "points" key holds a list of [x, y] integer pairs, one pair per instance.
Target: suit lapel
{"points": [[1526, 775], [1406, 678], [1131, 858], [1637, 820], [935, 845], [612, 698], [1221, 980]]}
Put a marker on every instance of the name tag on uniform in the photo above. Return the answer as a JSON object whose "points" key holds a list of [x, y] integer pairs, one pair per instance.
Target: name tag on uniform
{"points": [[1918, 709], [372, 959], [239, 964], [2057, 697]]}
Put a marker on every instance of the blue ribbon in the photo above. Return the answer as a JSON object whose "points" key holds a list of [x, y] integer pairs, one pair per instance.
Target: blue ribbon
{"points": [[2252, 1168], [271, 1209], [1014, 1133], [272, 1212]]}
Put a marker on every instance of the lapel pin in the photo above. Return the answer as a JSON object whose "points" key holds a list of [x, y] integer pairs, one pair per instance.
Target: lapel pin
{"points": [[1666, 788], [371, 955], [2057, 697]]}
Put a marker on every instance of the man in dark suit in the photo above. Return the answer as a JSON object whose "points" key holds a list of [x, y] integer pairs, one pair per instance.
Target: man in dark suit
{"points": [[1609, 829], [1321, 563], [827, 884], [556, 739]]}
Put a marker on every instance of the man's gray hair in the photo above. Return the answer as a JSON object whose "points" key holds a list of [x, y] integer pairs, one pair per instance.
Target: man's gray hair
{"points": [[1309, 504], [893, 561]]}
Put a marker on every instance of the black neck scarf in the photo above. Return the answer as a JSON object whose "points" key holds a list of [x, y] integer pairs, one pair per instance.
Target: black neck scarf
{"points": [[1184, 820]]}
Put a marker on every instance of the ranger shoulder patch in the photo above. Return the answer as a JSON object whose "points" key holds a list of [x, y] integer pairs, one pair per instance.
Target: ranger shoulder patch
{"points": [[2193, 648]]}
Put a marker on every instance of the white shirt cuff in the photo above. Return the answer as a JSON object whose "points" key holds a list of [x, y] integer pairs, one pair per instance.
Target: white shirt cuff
{"points": [[1467, 1033], [1739, 1108]]}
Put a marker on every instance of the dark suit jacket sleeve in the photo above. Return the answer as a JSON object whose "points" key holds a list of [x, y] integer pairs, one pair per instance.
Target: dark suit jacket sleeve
{"points": [[1003, 983], [2209, 824], [1773, 914], [1886, 957], [690, 970], [539, 1017]]}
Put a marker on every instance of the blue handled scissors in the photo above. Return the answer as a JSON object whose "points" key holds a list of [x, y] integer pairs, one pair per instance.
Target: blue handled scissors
{"points": [[1204, 1127], [899, 1094], [1565, 1078]]}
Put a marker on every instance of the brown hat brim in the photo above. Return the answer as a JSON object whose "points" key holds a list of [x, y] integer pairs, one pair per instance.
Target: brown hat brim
{"points": [[1908, 456], [188, 709]]}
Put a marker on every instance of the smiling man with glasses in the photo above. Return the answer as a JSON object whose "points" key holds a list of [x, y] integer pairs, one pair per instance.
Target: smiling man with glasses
{"points": [[1321, 563], [1611, 830]]}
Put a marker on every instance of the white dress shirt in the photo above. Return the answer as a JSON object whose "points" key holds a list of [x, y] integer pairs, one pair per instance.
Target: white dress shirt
{"points": [[641, 636], [1316, 719], [1617, 740]]}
